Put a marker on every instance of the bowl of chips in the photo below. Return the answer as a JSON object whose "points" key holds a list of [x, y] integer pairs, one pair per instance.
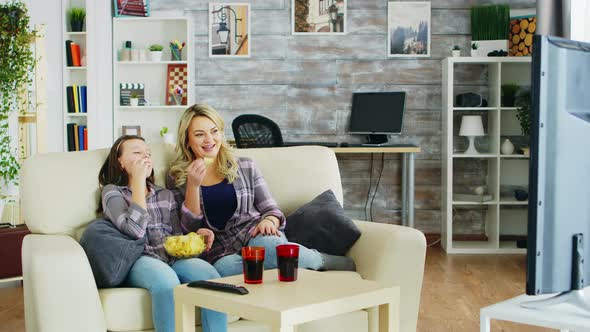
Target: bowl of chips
{"points": [[185, 246]]}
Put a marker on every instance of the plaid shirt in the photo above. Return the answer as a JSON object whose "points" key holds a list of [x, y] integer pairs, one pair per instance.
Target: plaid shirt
{"points": [[254, 204], [161, 219]]}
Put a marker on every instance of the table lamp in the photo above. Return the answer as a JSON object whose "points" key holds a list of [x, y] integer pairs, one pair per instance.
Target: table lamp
{"points": [[471, 126]]}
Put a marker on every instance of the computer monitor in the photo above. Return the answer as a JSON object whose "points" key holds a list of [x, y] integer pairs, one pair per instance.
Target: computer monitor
{"points": [[559, 177], [377, 114]]}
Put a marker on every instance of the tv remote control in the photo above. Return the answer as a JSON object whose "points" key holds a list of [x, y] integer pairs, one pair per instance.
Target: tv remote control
{"points": [[219, 286]]}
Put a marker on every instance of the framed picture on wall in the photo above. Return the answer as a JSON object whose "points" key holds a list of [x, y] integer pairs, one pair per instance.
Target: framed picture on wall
{"points": [[132, 8], [131, 130], [408, 29], [318, 17], [229, 30]]}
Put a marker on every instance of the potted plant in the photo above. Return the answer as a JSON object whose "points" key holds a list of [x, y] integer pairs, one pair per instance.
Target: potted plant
{"points": [[456, 51], [156, 52], [509, 91], [134, 99], [168, 137], [474, 48], [16, 62], [490, 27], [77, 16]]}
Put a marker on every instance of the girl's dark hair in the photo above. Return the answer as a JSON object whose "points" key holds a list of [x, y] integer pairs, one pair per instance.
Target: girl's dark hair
{"points": [[111, 171]]}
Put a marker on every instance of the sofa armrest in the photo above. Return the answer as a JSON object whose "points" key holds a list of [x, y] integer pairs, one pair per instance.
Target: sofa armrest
{"points": [[59, 289], [393, 255]]}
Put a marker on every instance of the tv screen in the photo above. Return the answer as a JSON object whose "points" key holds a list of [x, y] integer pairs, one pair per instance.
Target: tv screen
{"points": [[377, 112], [559, 177]]}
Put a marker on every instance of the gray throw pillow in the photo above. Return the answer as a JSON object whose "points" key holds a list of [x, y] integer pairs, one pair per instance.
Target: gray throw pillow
{"points": [[322, 225], [111, 253]]}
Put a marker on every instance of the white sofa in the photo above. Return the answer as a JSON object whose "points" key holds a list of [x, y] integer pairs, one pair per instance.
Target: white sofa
{"points": [[60, 195]]}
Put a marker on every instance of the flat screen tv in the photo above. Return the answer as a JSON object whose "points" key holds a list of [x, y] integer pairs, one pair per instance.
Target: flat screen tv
{"points": [[377, 114], [559, 177]]}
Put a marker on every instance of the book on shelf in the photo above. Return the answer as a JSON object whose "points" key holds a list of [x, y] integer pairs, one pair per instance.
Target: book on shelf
{"points": [[77, 137], [76, 95], [73, 54], [69, 61], [70, 131], [472, 198]]}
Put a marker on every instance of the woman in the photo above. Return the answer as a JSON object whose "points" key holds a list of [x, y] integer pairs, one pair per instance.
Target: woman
{"points": [[229, 196], [139, 208]]}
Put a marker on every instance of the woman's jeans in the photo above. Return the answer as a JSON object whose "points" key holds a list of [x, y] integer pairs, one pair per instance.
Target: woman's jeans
{"points": [[232, 264], [160, 279]]}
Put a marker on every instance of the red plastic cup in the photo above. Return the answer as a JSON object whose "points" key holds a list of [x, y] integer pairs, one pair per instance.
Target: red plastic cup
{"points": [[253, 263], [288, 261]]}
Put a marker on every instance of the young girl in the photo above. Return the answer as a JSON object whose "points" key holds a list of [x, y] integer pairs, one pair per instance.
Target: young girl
{"points": [[229, 196], [139, 208]]}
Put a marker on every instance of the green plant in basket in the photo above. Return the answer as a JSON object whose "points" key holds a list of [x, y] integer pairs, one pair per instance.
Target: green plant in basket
{"points": [[490, 22], [156, 48], [134, 95], [474, 46], [77, 17], [163, 131], [456, 48]]}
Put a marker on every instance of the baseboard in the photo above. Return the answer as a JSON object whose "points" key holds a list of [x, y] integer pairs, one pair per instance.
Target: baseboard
{"points": [[433, 237]]}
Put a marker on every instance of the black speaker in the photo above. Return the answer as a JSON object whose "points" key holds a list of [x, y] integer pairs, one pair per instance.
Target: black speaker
{"points": [[470, 99]]}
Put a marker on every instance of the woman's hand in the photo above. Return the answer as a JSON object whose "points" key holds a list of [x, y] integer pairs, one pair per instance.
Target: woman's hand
{"points": [[209, 237], [266, 227], [195, 172]]}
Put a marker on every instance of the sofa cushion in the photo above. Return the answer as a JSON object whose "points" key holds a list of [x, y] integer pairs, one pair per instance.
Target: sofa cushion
{"points": [[130, 309], [322, 225], [111, 253]]}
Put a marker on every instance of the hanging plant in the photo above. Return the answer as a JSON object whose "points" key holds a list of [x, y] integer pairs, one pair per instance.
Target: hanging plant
{"points": [[16, 63]]}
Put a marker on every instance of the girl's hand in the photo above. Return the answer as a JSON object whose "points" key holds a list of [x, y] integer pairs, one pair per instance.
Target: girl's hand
{"points": [[266, 227], [139, 169], [195, 172], [209, 237]]}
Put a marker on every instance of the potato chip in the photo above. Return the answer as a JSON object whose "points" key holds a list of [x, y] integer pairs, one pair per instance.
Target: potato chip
{"points": [[208, 161], [185, 246]]}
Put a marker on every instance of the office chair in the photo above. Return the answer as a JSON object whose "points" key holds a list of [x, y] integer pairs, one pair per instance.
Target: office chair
{"points": [[256, 131]]}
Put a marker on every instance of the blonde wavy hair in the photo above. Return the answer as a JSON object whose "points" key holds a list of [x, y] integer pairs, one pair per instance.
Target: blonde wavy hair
{"points": [[227, 164]]}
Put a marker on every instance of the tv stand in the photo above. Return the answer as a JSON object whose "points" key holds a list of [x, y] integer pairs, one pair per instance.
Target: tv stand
{"points": [[376, 140], [575, 296]]}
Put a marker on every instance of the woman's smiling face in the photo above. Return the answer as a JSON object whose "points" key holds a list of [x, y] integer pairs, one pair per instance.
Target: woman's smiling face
{"points": [[204, 137]]}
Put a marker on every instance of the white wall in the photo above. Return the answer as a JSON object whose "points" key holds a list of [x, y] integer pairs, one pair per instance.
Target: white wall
{"points": [[580, 20], [48, 12]]}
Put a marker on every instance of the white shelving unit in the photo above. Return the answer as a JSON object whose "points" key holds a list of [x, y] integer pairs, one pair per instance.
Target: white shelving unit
{"points": [[143, 32], [504, 216], [73, 75]]}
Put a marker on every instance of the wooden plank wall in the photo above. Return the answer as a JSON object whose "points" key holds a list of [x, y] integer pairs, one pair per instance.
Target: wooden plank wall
{"points": [[305, 84]]}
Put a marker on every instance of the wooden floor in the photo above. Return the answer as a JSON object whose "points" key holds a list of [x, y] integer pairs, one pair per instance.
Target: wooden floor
{"points": [[455, 288]]}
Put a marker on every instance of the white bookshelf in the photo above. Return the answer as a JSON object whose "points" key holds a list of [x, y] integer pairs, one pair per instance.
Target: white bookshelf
{"points": [[143, 32], [73, 75], [504, 216]]}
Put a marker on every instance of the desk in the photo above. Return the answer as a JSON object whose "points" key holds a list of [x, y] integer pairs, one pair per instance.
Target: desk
{"points": [[560, 316], [407, 174]]}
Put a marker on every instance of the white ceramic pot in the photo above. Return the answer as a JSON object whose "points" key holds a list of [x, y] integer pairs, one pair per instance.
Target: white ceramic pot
{"points": [[134, 102], [474, 53], [487, 46], [156, 56], [456, 53], [507, 147], [169, 138]]}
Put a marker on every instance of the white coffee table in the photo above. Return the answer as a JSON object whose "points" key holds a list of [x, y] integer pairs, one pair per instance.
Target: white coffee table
{"points": [[283, 305], [563, 317]]}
